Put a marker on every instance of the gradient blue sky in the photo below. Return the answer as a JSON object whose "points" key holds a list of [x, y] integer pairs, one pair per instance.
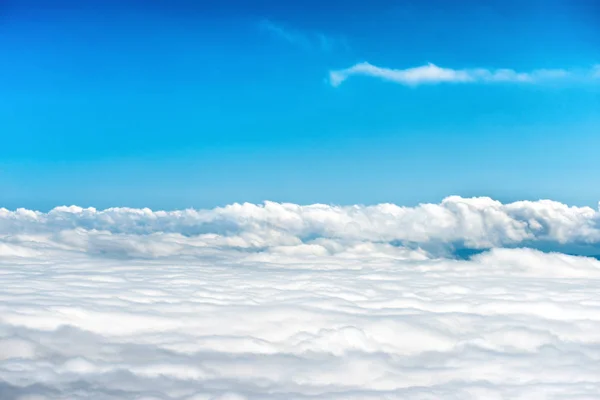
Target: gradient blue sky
{"points": [[173, 104]]}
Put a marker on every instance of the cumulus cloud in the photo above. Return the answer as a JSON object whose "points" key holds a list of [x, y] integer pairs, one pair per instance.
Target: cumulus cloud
{"points": [[432, 74], [281, 301], [476, 223]]}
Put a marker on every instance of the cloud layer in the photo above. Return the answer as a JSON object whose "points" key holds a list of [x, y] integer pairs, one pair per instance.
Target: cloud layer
{"points": [[455, 223], [432, 74], [280, 301]]}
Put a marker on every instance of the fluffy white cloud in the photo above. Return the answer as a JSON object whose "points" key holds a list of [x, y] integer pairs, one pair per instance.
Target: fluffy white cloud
{"points": [[430, 73], [454, 223], [280, 301]]}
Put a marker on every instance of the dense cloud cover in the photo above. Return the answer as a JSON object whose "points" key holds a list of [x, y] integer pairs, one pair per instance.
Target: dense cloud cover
{"points": [[457, 222], [281, 301]]}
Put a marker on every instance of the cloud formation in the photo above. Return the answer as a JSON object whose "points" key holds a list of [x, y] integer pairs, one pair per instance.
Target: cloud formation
{"points": [[281, 301], [433, 74], [363, 324], [476, 223]]}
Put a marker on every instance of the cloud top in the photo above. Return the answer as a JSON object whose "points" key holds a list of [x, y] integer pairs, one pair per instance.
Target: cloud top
{"points": [[287, 302], [476, 223]]}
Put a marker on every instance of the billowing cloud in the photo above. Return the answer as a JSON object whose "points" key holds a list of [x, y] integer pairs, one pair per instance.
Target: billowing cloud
{"points": [[432, 74], [456, 222], [281, 301]]}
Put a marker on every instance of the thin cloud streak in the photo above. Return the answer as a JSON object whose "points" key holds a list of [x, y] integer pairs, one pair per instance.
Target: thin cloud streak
{"points": [[433, 74], [291, 36]]}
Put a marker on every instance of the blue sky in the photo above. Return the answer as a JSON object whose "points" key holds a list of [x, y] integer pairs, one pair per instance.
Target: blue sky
{"points": [[188, 104]]}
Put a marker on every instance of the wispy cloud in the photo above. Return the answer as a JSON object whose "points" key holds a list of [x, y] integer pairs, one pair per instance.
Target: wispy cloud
{"points": [[307, 40], [289, 35], [433, 74]]}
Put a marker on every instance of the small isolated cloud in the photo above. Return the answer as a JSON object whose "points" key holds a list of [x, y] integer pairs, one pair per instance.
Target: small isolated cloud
{"points": [[433, 74], [305, 39]]}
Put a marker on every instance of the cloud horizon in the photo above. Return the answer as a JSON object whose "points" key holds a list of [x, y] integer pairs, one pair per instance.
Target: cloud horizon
{"points": [[439, 229]]}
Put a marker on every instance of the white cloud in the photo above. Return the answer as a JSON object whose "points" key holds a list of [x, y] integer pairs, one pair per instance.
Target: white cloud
{"points": [[281, 301], [475, 223], [431, 74]]}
